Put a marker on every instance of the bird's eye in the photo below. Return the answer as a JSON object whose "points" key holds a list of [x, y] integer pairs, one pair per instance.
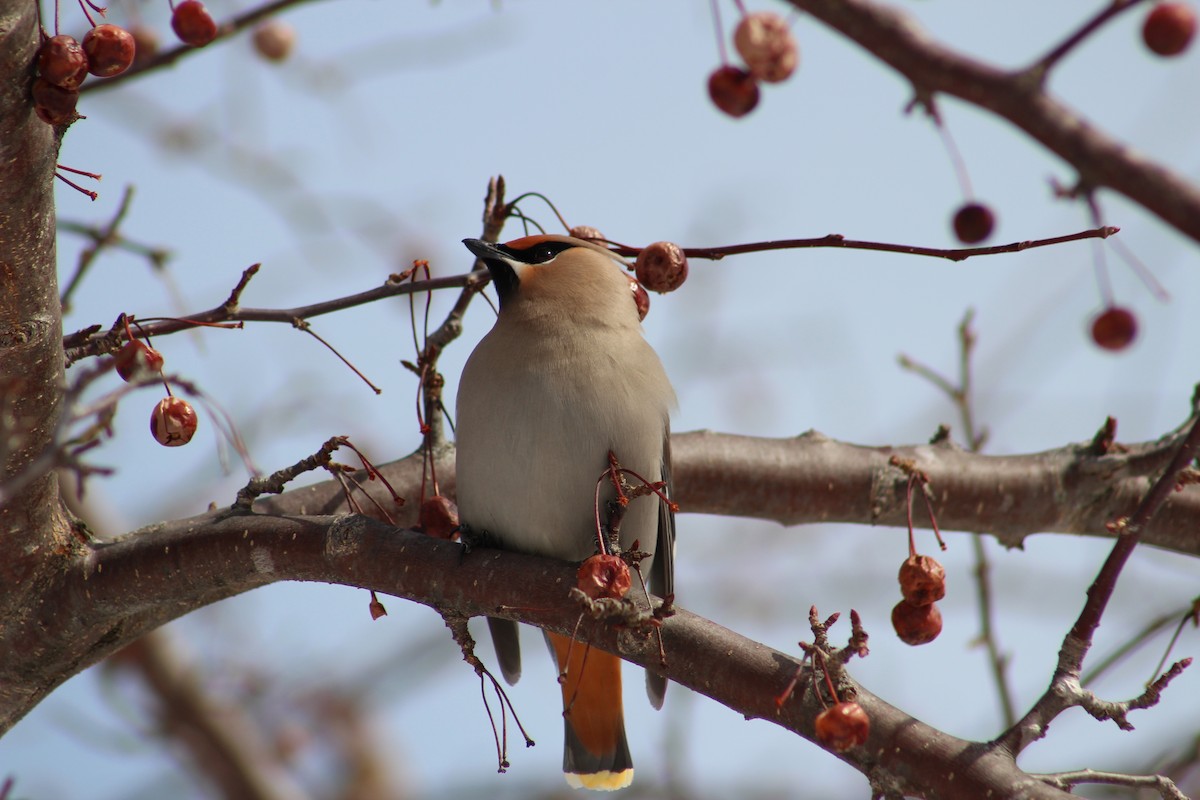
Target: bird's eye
{"points": [[545, 252]]}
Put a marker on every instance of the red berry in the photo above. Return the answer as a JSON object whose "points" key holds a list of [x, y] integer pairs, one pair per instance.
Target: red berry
{"points": [[603, 576], [922, 580], [640, 298], [765, 43], [1114, 328], [733, 90], [438, 517], [973, 223], [62, 62], [1169, 28], [173, 422], [193, 24], [842, 726], [110, 50], [916, 625], [136, 358], [53, 104], [661, 267], [274, 40]]}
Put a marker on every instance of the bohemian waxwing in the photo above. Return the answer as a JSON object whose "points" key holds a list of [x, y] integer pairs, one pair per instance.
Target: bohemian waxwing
{"points": [[564, 377]]}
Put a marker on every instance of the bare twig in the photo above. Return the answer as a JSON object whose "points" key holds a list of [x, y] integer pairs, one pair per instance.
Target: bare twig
{"points": [[102, 238], [1069, 780], [839, 241], [1064, 691]]}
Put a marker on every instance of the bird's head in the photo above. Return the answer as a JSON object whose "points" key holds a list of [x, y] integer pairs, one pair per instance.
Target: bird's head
{"points": [[559, 274]]}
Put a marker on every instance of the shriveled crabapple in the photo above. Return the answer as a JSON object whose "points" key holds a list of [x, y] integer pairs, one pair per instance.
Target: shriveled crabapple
{"points": [[193, 24], [110, 50], [173, 422], [53, 104], [438, 517], [733, 90], [973, 223], [604, 576], [922, 580], [843, 726], [1169, 28], [641, 298], [916, 625], [765, 42], [661, 267], [587, 233], [62, 62], [135, 358], [1114, 328], [274, 40], [145, 44]]}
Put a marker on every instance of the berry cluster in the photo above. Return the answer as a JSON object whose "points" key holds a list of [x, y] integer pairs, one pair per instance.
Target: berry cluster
{"points": [[108, 50], [63, 63], [766, 45], [916, 618]]}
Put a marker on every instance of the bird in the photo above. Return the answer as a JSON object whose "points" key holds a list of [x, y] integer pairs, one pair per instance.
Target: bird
{"points": [[563, 378]]}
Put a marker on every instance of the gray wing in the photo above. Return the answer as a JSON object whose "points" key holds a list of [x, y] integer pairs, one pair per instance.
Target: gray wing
{"points": [[506, 639], [662, 572]]}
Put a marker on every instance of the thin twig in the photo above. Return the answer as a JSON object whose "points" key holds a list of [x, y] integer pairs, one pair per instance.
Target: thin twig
{"points": [[839, 241]]}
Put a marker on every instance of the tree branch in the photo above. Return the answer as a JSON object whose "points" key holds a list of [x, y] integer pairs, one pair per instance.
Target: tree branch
{"points": [[812, 478], [112, 595], [895, 38]]}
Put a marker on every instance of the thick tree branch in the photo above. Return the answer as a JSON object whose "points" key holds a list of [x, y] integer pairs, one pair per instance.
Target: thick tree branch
{"points": [[1077, 488], [31, 358], [1019, 97], [116, 592]]}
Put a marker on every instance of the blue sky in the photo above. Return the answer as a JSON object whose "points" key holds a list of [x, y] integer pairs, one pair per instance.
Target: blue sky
{"points": [[373, 146]]}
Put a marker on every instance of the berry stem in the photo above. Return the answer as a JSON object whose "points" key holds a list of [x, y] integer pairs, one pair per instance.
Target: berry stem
{"points": [[960, 166], [76, 186], [720, 30]]}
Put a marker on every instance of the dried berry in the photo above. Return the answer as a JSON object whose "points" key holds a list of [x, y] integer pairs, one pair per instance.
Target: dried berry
{"points": [[766, 44], [1114, 328], [193, 24], [1169, 28], [438, 517], [137, 358], [916, 625], [603, 576], [641, 298], [733, 90], [922, 580], [145, 44], [661, 267], [62, 62], [173, 422], [587, 233], [110, 50], [843, 725], [53, 104], [973, 223], [274, 40]]}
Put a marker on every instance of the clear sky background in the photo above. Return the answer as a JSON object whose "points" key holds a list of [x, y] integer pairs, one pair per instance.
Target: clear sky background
{"points": [[373, 146]]}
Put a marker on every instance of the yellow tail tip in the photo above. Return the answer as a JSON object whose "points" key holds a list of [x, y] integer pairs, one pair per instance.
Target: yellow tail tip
{"points": [[605, 781]]}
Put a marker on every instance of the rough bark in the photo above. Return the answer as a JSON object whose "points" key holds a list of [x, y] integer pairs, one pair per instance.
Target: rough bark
{"points": [[33, 526]]}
